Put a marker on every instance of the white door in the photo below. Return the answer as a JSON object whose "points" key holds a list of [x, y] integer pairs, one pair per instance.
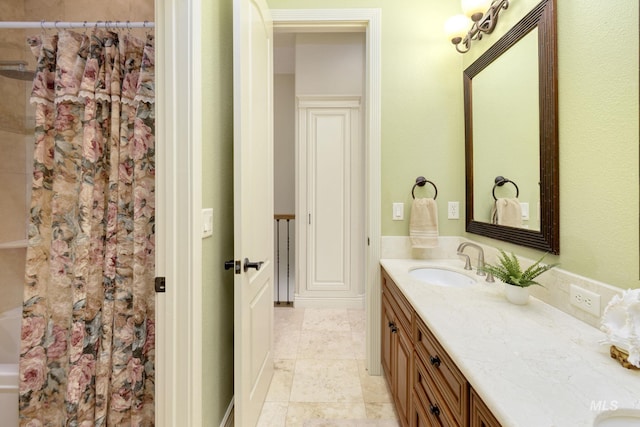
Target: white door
{"points": [[253, 208], [332, 197]]}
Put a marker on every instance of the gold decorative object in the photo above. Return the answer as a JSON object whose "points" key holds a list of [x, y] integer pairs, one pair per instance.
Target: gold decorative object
{"points": [[621, 356]]}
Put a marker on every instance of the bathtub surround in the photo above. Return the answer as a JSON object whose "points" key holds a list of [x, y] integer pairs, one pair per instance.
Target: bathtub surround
{"points": [[87, 353], [9, 349]]}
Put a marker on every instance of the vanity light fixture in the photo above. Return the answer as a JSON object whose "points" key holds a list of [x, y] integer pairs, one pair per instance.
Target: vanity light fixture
{"points": [[482, 15]]}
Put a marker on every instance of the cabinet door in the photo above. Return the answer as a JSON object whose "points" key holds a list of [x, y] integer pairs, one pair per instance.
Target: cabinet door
{"points": [[402, 354], [387, 321], [480, 415]]}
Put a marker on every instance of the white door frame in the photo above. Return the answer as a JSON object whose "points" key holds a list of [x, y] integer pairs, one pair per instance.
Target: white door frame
{"points": [[341, 20], [178, 206], [179, 195]]}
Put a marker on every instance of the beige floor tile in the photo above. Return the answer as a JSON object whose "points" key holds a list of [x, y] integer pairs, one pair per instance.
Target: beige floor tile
{"points": [[320, 377], [280, 388], [274, 414], [381, 411], [326, 320], [374, 387], [304, 414], [359, 344], [286, 319], [357, 320], [351, 423], [326, 381], [285, 345], [325, 345]]}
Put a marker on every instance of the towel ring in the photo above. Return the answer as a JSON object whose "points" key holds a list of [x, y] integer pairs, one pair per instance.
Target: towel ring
{"points": [[499, 182], [420, 182]]}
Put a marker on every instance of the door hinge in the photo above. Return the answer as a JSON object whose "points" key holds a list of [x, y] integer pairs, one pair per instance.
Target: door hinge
{"points": [[160, 283], [368, 242]]}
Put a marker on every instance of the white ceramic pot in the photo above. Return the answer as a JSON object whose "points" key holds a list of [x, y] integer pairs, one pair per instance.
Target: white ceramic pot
{"points": [[516, 294]]}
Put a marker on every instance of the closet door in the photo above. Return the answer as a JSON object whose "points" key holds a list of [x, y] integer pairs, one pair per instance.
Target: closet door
{"points": [[331, 138]]}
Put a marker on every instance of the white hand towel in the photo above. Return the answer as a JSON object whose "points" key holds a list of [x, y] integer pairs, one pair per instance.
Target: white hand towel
{"points": [[507, 212], [423, 225]]}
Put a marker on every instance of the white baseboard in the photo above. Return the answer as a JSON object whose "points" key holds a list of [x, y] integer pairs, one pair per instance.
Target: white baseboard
{"points": [[355, 303], [227, 421]]}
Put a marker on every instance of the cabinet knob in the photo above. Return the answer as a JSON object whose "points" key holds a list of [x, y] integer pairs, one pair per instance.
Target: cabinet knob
{"points": [[394, 329], [435, 361], [434, 410], [390, 324]]}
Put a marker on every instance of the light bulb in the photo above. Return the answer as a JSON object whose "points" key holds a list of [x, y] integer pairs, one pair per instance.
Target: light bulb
{"points": [[457, 27], [475, 9]]}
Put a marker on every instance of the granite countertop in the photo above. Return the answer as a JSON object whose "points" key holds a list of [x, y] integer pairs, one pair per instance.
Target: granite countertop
{"points": [[533, 365]]}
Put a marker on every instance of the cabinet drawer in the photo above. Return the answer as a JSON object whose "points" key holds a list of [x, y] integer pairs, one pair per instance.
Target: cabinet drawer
{"points": [[429, 406], [401, 306], [449, 381]]}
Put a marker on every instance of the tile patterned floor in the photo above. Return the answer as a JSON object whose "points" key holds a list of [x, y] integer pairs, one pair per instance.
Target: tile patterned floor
{"points": [[320, 376]]}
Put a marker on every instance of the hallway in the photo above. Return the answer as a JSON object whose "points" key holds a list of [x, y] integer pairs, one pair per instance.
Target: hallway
{"points": [[320, 377]]}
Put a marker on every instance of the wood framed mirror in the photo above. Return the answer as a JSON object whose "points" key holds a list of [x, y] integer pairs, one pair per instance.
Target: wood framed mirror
{"points": [[499, 138]]}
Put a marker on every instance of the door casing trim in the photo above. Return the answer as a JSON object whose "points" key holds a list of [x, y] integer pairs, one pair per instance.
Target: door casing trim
{"points": [[344, 20]]}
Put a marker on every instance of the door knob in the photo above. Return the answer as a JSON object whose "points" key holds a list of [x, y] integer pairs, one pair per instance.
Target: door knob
{"points": [[228, 265], [248, 264]]}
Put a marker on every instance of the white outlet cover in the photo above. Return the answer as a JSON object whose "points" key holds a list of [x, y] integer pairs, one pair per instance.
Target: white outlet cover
{"points": [[585, 300]]}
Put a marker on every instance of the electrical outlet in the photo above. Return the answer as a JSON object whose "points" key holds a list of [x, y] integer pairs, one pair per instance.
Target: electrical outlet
{"points": [[453, 210], [585, 300]]}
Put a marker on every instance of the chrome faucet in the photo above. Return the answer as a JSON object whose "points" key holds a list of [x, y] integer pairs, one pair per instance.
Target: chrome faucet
{"points": [[467, 265]]}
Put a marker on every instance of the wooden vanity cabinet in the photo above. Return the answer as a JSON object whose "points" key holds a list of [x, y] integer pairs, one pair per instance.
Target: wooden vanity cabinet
{"points": [[397, 349], [438, 373], [479, 414], [427, 387]]}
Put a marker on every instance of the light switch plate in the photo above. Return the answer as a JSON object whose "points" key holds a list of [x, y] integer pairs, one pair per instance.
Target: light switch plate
{"points": [[207, 222], [398, 211]]}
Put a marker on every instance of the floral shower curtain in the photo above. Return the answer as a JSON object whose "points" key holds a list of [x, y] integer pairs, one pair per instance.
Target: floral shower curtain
{"points": [[87, 350]]}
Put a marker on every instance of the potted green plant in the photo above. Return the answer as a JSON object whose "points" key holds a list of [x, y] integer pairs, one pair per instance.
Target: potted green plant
{"points": [[516, 281]]}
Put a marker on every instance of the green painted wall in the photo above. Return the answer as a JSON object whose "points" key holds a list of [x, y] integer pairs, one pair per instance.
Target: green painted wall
{"points": [[217, 181], [423, 128], [422, 116], [598, 127], [423, 134]]}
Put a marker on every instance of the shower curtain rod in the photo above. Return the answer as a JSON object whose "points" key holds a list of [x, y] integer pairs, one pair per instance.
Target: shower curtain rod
{"points": [[67, 24]]}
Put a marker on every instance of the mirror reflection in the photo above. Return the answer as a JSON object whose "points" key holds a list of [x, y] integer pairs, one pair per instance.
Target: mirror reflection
{"points": [[506, 137], [511, 131]]}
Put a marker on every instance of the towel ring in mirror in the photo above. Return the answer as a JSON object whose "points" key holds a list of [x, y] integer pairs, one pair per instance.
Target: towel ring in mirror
{"points": [[499, 182]]}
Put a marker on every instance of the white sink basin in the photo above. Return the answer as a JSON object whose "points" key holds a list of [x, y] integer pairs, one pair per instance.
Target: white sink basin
{"points": [[618, 418], [442, 277]]}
